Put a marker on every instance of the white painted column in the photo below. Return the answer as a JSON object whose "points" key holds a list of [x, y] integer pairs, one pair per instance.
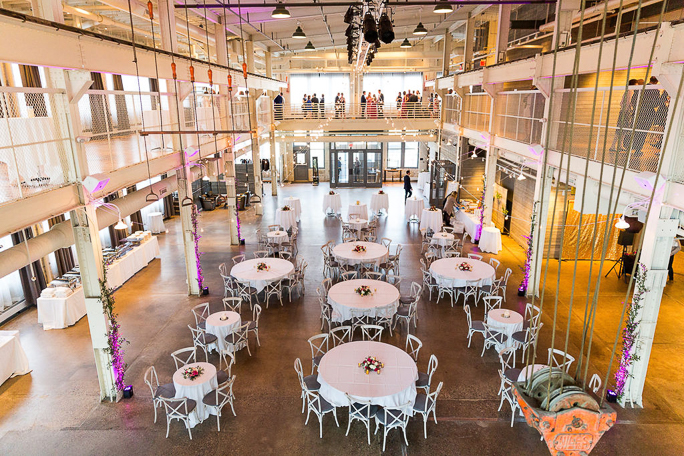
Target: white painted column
{"points": [[167, 25], [272, 142], [185, 190], [48, 9], [490, 175], [221, 45], [469, 43], [269, 64], [542, 189], [503, 29], [565, 11], [446, 53]]}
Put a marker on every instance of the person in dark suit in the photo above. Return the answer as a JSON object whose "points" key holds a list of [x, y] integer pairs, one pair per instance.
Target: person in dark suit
{"points": [[408, 190], [278, 102], [363, 104], [314, 106]]}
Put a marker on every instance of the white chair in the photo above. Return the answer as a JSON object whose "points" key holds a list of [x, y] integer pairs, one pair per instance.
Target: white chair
{"points": [[232, 304], [489, 290], [203, 340], [491, 303], [228, 358], [425, 378], [360, 411], [476, 326], [492, 339], [470, 289], [507, 395], [429, 282], [416, 290], [261, 254], [372, 275], [274, 288], [594, 385], [358, 318], [426, 404], [326, 284], [560, 359], [341, 335], [319, 347], [392, 418], [219, 397], [371, 332], [473, 256], [254, 324], [393, 280], [229, 285], [385, 318], [238, 259], [274, 228], [429, 258], [306, 383], [510, 372], [184, 356], [503, 284], [350, 275], [320, 407], [326, 313], [285, 255], [201, 312], [407, 314], [525, 339], [495, 263], [386, 242], [291, 282], [445, 288], [178, 409], [413, 346], [238, 338], [168, 390]]}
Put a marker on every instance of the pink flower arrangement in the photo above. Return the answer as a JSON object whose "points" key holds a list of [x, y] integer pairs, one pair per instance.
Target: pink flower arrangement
{"points": [[192, 372], [465, 267], [371, 363], [359, 248], [364, 290], [262, 267]]}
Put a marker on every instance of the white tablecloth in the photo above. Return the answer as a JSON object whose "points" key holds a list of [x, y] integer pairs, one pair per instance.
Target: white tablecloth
{"points": [[446, 272], [136, 259], [490, 240], [156, 220], [431, 219], [13, 360], [277, 237], [344, 300], [222, 328], [286, 219], [375, 253], [470, 221], [360, 209], [534, 368], [295, 204], [414, 207], [508, 326], [58, 313], [442, 238], [332, 202], [246, 271], [423, 178], [379, 202], [196, 390], [339, 373], [358, 224]]}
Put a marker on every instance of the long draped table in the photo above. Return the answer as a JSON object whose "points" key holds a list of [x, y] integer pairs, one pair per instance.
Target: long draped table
{"points": [[58, 313], [137, 258], [13, 360], [345, 302], [470, 221]]}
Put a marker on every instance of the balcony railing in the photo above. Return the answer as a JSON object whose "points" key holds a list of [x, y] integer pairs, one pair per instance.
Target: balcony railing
{"points": [[476, 111], [519, 116], [452, 109], [389, 110]]}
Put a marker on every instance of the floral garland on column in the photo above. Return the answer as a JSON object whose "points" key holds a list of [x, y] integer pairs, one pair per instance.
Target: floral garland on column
{"points": [[115, 341], [630, 332], [195, 239], [482, 210], [526, 268]]}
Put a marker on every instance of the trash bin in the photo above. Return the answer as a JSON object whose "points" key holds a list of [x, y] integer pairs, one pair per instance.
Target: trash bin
{"points": [[248, 194], [258, 207]]}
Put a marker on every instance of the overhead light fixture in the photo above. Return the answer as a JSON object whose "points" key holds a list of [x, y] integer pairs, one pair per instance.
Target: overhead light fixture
{"points": [[521, 176], [121, 225], [299, 33], [622, 224], [405, 44], [205, 178], [443, 7], [280, 12], [309, 46], [420, 29], [474, 155]]}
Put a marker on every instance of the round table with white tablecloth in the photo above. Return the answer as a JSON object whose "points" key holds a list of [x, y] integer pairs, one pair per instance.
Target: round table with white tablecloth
{"points": [[339, 373], [196, 390], [286, 219], [277, 237], [423, 178], [361, 209], [532, 368], [414, 207], [442, 239], [156, 222], [358, 224], [221, 324], [507, 322], [345, 301], [446, 272], [246, 271], [431, 220], [379, 201], [295, 204], [375, 253], [332, 202], [490, 240]]}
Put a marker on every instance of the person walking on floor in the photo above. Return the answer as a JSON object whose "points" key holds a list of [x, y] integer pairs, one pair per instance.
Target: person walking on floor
{"points": [[408, 190]]}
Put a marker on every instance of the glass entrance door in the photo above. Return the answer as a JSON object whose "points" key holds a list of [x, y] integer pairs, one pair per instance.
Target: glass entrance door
{"points": [[356, 167], [373, 169], [340, 168]]}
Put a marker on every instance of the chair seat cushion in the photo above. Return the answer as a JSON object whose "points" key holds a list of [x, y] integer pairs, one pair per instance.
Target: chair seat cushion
{"points": [[311, 382], [406, 299], [221, 376], [512, 374], [317, 360], [252, 326], [207, 338], [478, 325], [423, 379], [403, 312], [381, 415], [232, 338], [519, 336], [210, 399], [361, 412], [325, 406], [422, 403], [190, 404], [167, 391]]}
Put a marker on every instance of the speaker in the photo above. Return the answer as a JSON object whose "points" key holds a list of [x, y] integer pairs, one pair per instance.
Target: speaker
{"points": [[95, 182], [625, 238]]}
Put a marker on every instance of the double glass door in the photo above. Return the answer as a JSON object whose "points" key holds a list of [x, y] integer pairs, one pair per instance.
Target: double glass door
{"points": [[356, 168]]}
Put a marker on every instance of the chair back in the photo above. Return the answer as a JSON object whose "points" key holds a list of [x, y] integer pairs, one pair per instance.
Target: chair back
{"points": [[341, 335], [372, 275], [430, 257], [595, 383], [152, 380], [431, 400], [386, 242], [184, 356], [318, 344], [393, 280], [359, 409], [452, 253], [560, 359], [505, 357], [371, 332], [232, 304], [256, 313], [175, 407], [273, 227], [495, 263], [327, 284], [285, 255], [350, 275], [413, 346], [506, 275], [261, 254], [474, 256], [223, 270], [491, 303], [432, 367], [224, 392], [300, 372], [238, 259], [198, 339], [201, 312], [397, 417]]}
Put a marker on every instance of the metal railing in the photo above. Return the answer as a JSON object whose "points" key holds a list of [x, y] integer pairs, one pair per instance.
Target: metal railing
{"points": [[476, 111], [35, 150], [519, 116], [388, 110], [619, 113]]}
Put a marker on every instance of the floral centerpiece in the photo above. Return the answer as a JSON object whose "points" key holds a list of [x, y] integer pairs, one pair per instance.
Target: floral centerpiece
{"points": [[262, 267], [371, 363], [465, 267], [331, 192], [286, 208], [359, 248], [364, 290], [192, 372], [381, 192], [432, 208]]}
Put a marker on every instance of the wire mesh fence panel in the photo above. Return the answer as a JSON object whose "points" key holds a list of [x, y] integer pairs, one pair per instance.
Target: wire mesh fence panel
{"points": [[35, 149], [452, 109], [476, 111], [519, 116], [619, 125], [264, 112]]}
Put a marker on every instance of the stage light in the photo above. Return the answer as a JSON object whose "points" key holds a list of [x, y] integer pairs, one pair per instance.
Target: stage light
{"points": [[386, 29], [370, 31]]}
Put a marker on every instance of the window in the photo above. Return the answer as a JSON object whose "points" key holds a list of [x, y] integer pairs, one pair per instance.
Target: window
{"points": [[317, 149], [402, 155]]}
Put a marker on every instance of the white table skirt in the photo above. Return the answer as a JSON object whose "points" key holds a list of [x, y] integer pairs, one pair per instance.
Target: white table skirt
{"points": [[375, 253], [414, 207], [470, 222], [447, 274], [442, 239], [431, 219], [136, 259], [222, 328], [196, 390], [423, 178], [345, 301], [358, 224], [507, 326], [332, 202], [277, 237], [156, 220], [286, 219], [379, 202], [58, 313], [339, 373], [13, 360], [360, 209], [490, 240], [246, 271], [295, 204]]}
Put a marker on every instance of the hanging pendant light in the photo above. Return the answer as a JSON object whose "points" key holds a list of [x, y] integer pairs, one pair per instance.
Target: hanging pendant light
{"points": [[121, 225], [443, 7], [405, 44], [420, 29], [280, 12], [622, 224], [299, 33], [309, 46]]}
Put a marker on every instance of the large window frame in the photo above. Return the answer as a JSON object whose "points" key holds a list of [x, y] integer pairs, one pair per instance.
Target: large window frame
{"points": [[402, 151]]}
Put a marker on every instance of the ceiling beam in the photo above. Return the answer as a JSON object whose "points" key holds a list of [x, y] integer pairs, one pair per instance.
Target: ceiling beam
{"points": [[387, 4]]}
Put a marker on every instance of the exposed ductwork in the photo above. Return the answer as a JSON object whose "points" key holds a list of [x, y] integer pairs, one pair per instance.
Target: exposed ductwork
{"points": [[62, 235], [100, 19]]}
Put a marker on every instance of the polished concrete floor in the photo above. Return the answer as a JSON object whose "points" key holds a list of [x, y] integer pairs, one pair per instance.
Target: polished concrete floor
{"points": [[56, 409]]}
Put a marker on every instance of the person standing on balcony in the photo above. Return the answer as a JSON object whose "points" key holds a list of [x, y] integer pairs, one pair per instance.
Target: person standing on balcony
{"points": [[321, 106], [314, 106], [624, 121], [337, 106], [278, 105], [342, 103], [363, 104], [408, 190], [381, 104]]}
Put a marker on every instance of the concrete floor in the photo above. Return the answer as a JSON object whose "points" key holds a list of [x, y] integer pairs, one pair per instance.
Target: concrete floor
{"points": [[56, 408]]}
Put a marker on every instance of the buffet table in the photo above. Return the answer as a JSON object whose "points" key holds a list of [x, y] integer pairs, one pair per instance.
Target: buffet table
{"points": [[471, 222], [137, 258], [13, 360], [59, 312]]}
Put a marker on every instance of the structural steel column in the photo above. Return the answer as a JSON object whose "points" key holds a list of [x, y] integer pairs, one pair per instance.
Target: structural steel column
{"points": [[565, 11], [542, 187], [469, 43], [446, 57], [185, 190], [502, 32], [167, 25]]}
